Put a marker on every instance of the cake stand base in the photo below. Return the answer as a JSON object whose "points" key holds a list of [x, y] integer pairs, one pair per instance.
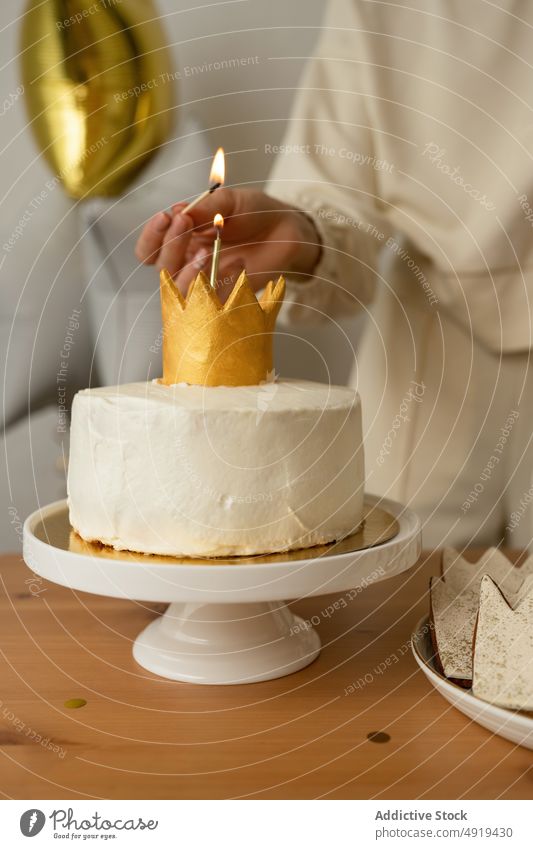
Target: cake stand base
{"points": [[228, 622], [226, 643]]}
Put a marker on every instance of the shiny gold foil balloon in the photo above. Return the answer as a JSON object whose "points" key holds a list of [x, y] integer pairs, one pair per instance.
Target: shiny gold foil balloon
{"points": [[99, 89]]}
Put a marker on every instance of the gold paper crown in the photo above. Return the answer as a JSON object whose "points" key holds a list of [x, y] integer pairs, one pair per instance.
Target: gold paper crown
{"points": [[212, 344]]}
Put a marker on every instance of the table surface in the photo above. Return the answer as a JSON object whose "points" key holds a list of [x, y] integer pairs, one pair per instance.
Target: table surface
{"points": [[361, 722]]}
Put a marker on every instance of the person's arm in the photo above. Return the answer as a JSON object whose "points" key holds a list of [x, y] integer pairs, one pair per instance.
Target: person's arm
{"points": [[315, 225], [327, 166]]}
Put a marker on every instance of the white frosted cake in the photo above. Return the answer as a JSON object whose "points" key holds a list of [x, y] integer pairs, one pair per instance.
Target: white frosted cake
{"points": [[216, 470]]}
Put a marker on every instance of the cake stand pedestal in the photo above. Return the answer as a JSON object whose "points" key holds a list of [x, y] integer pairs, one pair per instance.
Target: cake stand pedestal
{"points": [[226, 643], [227, 620]]}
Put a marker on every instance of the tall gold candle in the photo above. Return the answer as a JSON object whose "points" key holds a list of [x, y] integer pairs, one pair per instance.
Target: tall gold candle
{"points": [[218, 221]]}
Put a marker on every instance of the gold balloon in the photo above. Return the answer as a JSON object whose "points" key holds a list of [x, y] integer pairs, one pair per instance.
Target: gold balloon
{"points": [[99, 89]]}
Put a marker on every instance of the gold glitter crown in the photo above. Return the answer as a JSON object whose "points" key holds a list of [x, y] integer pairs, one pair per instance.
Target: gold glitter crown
{"points": [[212, 344]]}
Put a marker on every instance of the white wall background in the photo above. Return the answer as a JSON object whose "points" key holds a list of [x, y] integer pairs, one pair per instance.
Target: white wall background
{"points": [[41, 278]]}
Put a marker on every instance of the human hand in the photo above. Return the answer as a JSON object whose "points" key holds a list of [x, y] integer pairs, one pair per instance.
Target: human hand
{"points": [[261, 234]]}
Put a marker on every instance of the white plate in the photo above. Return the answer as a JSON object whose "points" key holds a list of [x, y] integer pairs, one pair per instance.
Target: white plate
{"points": [[512, 725]]}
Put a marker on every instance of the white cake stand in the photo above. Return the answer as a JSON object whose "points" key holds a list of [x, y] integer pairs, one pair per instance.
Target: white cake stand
{"points": [[227, 621]]}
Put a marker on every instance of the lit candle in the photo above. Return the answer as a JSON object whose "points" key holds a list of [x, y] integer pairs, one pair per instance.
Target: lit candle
{"points": [[218, 221], [216, 178]]}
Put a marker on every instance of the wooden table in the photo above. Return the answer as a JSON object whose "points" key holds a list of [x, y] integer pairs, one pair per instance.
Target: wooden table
{"points": [[303, 736]]}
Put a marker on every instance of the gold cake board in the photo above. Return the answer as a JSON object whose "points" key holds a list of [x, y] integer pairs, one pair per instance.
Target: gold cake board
{"points": [[378, 526]]}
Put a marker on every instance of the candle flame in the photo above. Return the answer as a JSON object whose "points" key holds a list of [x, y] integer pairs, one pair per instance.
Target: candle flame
{"points": [[218, 221], [218, 168]]}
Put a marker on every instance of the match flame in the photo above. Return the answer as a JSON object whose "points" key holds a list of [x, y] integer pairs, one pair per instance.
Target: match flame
{"points": [[218, 168], [218, 221]]}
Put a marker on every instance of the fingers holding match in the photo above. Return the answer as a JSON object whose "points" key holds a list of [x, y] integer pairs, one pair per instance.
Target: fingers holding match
{"points": [[202, 215], [151, 239], [175, 242]]}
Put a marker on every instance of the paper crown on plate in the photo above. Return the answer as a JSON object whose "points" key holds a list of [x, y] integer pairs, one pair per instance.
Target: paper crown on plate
{"points": [[212, 344]]}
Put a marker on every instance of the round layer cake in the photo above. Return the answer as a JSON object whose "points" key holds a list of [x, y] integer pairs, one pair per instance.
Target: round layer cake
{"points": [[216, 471]]}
